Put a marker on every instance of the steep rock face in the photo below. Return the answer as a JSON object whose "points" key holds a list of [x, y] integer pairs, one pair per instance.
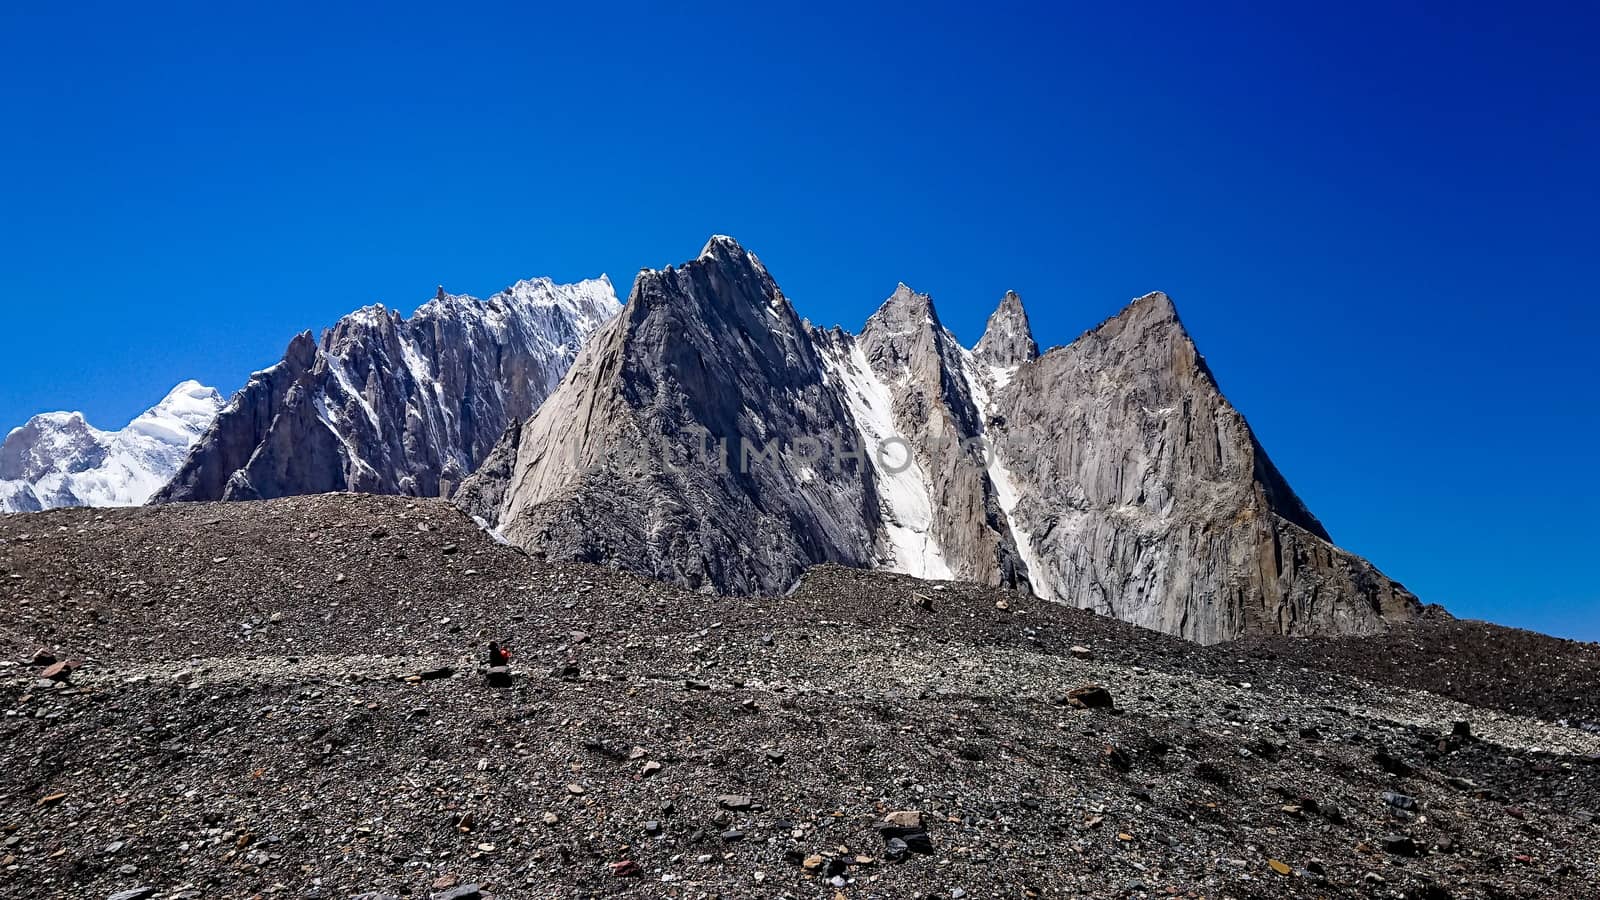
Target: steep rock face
{"points": [[678, 445], [1144, 495], [385, 404], [1110, 474], [59, 459], [935, 413]]}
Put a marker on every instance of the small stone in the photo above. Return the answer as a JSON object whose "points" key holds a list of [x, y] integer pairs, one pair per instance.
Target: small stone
{"points": [[464, 892], [899, 839], [732, 834], [1118, 758], [138, 893], [1393, 764], [907, 818], [42, 657], [1091, 696], [626, 868], [652, 826], [1399, 844], [551, 818], [1278, 866], [812, 863], [650, 768], [1399, 801], [1081, 652], [576, 790], [51, 799], [736, 802]]}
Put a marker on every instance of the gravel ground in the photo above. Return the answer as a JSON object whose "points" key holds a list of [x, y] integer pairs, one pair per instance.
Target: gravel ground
{"points": [[286, 699]]}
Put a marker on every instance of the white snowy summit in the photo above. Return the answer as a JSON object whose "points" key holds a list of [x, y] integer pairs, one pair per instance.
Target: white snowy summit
{"points": [[59, 459]]}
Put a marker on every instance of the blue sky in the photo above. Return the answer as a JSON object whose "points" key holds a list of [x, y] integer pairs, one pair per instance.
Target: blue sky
{"points": [[1379, 223]]}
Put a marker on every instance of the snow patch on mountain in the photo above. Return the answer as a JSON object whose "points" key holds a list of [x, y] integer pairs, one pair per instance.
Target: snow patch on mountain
{"points": [[983, 382], [903, 488]]}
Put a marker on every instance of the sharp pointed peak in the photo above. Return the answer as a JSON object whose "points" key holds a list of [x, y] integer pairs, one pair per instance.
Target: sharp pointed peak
{"points": [[719, 249], [302, 350], [1007, 338], [1155, 302], [722, 245], [911, 301], [1152, 310]]}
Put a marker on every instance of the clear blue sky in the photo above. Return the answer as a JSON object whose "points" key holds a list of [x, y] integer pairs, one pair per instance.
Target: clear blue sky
{"points": [[1379, 223]]}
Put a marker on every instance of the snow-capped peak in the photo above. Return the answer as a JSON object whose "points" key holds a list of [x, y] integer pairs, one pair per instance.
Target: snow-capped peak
{"points": [[181, 416], [59, 459]]}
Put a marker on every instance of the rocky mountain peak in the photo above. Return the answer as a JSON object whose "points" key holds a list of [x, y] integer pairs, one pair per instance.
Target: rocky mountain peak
{"points": [[302, 351], [725, 290], [1008, 339], [721, 246], [909, 307], [1154, 308]]}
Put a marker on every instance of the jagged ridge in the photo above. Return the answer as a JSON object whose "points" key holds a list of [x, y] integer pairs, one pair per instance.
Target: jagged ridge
{"points": [[386, 404]]}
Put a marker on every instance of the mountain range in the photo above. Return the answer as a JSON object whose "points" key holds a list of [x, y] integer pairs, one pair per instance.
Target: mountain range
{"points": [[708, 435]]}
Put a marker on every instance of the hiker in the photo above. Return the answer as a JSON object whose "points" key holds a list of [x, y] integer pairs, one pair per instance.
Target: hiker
{"points": [[499, 656]]}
